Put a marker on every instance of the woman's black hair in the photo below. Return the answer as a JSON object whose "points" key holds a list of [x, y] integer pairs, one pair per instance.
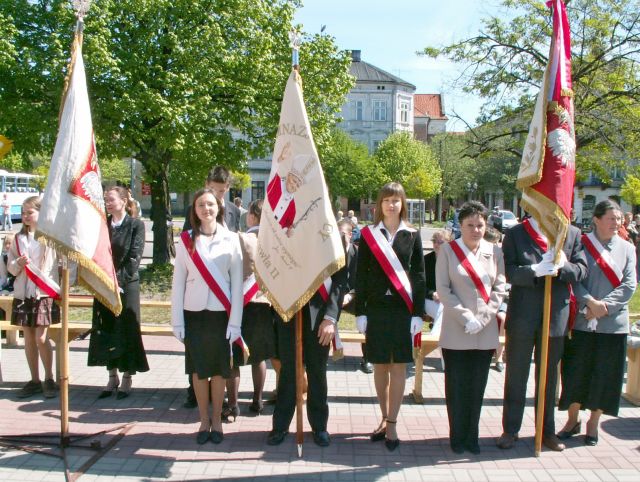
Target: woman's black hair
{"points": [[471, 208], [603, 206]]}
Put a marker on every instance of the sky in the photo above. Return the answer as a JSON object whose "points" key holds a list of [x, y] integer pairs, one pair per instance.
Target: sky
{"points": [[389, 33]]}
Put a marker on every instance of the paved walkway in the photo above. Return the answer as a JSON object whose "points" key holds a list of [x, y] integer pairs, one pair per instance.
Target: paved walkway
{"points": [[161, 445]]}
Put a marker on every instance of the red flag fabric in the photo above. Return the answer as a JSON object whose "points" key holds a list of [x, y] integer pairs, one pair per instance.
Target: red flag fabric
{"points": [[547, 172]]}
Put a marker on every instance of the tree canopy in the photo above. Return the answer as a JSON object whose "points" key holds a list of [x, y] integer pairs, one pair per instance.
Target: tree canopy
{"points": [[505, 61], [181, 85], [348, 168], [403, 159]]}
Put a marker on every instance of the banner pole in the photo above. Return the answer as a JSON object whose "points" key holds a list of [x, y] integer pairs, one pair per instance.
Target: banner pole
{"points": [[63, 356], [544, 361], [299, 383]]}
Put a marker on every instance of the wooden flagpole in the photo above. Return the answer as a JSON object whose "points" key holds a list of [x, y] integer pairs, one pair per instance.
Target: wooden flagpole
{"points": [[63, 356], [299, 383], [544, 361]]}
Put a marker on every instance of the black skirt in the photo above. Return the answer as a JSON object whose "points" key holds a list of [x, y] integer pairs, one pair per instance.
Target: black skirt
{"points": [[388, 334], [258, 332], [593, 371], [116, 341], [206, 344]]}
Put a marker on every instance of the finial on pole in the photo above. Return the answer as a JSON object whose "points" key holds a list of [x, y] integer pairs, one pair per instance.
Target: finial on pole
{"points": [[81, 7], [295, 39]]}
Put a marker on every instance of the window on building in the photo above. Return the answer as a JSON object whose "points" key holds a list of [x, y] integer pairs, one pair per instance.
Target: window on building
{"points": [[404, 112], [379, 110], [359, 110], [257, 190]]}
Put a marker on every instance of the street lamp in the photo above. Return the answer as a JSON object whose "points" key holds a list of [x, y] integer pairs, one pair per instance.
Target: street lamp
{"points": [[471, 188]]}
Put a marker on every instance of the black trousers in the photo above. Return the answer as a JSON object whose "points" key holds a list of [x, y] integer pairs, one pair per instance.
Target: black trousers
{"points": [[519, 349], [465, 378], [315, 358]]}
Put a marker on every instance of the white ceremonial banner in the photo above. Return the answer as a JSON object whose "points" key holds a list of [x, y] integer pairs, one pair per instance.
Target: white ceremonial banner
{"points": [[299, 245], [72, 217]]}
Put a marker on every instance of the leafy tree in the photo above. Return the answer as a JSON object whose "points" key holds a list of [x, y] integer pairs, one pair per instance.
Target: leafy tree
{"points": [[241, 180], [630, 191], [181, 85], [348, 168], [410, 162], [457, 167], [505, 61]]}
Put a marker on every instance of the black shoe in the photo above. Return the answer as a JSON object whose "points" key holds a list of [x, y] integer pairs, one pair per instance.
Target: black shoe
{"points": [[202, 437], [379, 435], [321, 438], [230, 412], [552, 442], [190, 403], [276, 437], [499, 366], [391, 444], [122, 395], [566, 434], [507, 440], [474, 448], [457, 448], [591, 441], [105, 394], [216, 437], [365, 366], [256, 407]]}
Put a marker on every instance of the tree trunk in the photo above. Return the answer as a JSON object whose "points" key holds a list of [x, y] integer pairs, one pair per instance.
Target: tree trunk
{"points": [[163, 247]]}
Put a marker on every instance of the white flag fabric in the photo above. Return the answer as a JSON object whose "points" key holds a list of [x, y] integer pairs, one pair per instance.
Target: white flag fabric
{"points": [[299, 245], [72, 217]]}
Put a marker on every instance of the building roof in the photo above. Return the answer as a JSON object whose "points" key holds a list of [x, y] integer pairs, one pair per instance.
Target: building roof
{"points": [[428, 105], [365, 72]]}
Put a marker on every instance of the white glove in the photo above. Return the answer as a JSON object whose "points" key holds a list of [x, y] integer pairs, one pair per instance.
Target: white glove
{"points": [[562, 261], [549, 256], [178, 332], [233, 333], [347, 299], [361, 323], [592, 324], [545, 268], [416, 325], [473, 326]]}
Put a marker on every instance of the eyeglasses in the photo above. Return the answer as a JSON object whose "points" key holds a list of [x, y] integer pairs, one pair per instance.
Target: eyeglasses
{"points": [[437, 241]]}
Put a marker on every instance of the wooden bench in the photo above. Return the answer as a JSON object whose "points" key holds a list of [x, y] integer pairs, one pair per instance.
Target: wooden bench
{"points": [[429, 342]]}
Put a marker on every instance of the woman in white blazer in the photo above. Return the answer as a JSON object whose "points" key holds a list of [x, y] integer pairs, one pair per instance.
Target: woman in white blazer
{"points": [[206, 321], [471, 284]]}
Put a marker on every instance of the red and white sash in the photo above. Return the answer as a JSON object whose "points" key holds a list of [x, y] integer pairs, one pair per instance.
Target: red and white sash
{"points": [[249, 289], [542, 242], [210, 274], [389, 262], [474, 269], [537, 236], [41, 280], [603, 259], [325, 288]]}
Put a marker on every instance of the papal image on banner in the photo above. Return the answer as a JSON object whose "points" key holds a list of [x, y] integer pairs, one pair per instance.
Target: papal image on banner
{"points": [[299, 245], [548, 171], [72, 218]]}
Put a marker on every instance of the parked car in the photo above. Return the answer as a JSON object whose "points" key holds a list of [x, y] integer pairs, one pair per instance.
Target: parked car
{"points": [[509, 219]]}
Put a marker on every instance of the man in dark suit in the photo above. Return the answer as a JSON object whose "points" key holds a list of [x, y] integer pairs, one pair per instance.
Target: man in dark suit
{"points": [[319, 320], [525, 270], [219, 181]]}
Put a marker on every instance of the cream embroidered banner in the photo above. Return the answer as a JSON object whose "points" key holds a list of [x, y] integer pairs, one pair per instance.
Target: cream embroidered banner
{"points": [[299, 245]]}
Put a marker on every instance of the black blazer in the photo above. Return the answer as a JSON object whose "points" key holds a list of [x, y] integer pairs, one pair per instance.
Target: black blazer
{"points": [[524, 312], [372, 283], [430, 274], [127, 246], [316, 309]]}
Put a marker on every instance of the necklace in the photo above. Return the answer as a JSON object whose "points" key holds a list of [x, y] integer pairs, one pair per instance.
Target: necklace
{"points": [[208, 235]]}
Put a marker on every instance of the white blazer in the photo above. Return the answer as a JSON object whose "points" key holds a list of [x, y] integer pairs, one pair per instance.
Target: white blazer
{"points": [[190, 292]]}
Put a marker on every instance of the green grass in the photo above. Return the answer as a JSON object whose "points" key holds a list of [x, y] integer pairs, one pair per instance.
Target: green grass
{"points": [[634, 304]]}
